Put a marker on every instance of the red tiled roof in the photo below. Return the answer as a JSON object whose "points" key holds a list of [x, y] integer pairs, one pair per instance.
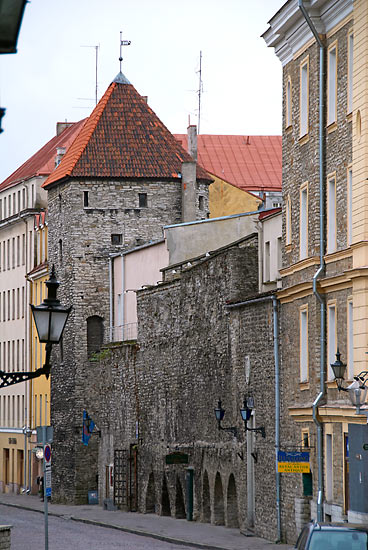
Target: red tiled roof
{"points": [[42, 163], [123, 138], [252, 163], [268, 213]]}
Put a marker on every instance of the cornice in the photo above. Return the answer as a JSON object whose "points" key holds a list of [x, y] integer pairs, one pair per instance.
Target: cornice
{"points": [[298, 266], [288, 31]]}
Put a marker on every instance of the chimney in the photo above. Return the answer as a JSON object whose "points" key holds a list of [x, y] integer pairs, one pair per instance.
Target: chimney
{"points": [[60, 152], [188, 191], [60, 126], [145, 98], [192, 141]]}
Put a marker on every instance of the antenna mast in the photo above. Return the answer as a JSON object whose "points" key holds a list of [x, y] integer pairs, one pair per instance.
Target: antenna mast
{"points": [[200, 90], [96, 88], [122, 43]]}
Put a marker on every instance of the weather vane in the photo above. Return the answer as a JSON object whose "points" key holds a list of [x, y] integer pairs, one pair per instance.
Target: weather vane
{"points": [[123, 43]]}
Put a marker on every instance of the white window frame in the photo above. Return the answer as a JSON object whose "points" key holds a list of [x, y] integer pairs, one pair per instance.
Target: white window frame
{"points": [[289, 103], [303, 344], [304, 98], [288, 221], [329, 467], [332, 60], [331, 214], [331, 337], [350, 71], [303, 222], [267, 262]]}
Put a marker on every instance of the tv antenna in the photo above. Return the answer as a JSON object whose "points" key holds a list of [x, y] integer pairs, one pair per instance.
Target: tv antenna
{"points": [[200, 91], [96, 88], [122, 43]]}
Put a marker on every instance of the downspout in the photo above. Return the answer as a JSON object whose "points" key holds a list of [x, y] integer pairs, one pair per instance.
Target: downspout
{"points": [[111, 297], [321, 261], [277, 411]]}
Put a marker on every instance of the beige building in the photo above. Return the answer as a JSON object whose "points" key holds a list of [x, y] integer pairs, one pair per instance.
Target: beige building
{"points": [[324, 281]]}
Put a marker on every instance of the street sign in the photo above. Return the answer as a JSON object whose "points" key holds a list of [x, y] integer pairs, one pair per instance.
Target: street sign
{"points": [[293, 462], [49, 434], [47, 453]]}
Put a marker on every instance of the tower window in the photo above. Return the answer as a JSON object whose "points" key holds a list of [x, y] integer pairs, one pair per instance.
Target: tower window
{"points": [[116, 238], [201, 202], [85, 199], [142, 200]]}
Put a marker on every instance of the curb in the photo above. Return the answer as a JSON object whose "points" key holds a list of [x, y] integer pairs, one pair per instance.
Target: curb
{"points": [[138, 532]]}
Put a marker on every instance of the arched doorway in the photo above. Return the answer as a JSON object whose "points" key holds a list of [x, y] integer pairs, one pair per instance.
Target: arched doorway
{"points": [[179, 501], [219, 516], [150, 495], [165, 499], [232, 517], [206, 499]]}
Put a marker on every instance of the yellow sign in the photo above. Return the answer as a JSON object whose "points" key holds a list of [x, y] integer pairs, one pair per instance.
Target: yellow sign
{"points": [[293, 467]]}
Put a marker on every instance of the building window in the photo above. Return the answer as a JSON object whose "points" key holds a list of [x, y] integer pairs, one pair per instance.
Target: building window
{"points": [[201, 202], [350, 206], [350, 71], [288, 111], [332, 84], [117, 238], [303, 220], [329, 467], [60, 251], [303, 338], [267, 274], [331, 214], [331, 338], [142, 200], [304, 97], [288, 221], [350, 339], [85, 199], [279, 254]]}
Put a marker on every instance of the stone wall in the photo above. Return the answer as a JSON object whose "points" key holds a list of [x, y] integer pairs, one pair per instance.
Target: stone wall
{"points": [[80, 241], [5, 531], [160, 396]]}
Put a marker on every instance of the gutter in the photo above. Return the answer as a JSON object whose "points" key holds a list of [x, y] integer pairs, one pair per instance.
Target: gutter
{"points": [[321, 268]]}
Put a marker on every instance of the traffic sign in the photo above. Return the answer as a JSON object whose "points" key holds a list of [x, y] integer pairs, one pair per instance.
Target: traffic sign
{"points": [[47, 453]]}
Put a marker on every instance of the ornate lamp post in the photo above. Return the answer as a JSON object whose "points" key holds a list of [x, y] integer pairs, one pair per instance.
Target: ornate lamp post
{"points": [[245, 412], [50, 319], [357, 390]]}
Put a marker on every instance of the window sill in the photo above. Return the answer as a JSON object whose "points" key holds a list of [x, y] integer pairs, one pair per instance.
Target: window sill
{"points": [[331, 127], [288, 247], [303, 139], [288, 129], [349, 117], [304, 386]]}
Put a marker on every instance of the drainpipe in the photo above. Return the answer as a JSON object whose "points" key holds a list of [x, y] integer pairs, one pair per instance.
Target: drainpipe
{"points": [[111, 296], [277, 411], [321, 268]]}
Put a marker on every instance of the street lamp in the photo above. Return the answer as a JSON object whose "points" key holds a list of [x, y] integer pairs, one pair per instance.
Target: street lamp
{"points": [[357, 390], [50, 319], [245, 412]]}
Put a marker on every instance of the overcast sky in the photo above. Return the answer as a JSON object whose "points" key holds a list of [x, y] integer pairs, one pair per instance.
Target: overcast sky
{"points": [[52, 73]]}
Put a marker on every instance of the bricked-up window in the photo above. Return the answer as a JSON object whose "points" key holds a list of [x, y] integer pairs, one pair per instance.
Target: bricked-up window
{"points": [[303, 221], [85, 199], [116, 238], [142, 197], [94, 334], [350, 71], [350, 206], [288, 111], [350, 340], [332, 84], [331, 213], [304, 97], [303, 339], [331, 338]]}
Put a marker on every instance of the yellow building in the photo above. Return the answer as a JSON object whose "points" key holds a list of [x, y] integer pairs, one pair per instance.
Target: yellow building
{"points": [[225, 199], [39, 388]]}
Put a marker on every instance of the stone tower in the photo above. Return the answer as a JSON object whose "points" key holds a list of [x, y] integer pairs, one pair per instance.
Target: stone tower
{"points": [[116, 186]]}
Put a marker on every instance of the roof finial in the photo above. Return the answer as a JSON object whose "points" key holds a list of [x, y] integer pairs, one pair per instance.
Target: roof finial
{"points": [[123, 43]]}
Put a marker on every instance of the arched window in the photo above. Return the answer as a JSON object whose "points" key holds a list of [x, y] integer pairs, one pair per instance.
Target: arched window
{"points": [[94, 334]]}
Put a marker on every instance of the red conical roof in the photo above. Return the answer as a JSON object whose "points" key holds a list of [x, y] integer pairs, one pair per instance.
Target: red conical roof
{"points": [[123, 138]]}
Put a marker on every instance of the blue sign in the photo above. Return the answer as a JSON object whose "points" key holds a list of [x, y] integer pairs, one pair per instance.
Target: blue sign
{"points": [[47, 453], [294, 456], [48, 491]]}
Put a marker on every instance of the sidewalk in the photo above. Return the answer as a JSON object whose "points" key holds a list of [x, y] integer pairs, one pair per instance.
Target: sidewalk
{"points": [[179, 531]]}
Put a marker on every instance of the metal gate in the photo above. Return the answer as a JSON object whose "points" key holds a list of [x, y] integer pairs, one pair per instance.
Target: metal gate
{"points": [[133, 479], [120, 478]]}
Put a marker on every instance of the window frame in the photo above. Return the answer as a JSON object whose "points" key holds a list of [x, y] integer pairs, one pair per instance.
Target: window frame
{"points": [[304, 128], [331, 353], [332, 84], [350, 60], [304, 189], [303, 345], [350, 337], [349, 204], [331, 214], [288, 103]]}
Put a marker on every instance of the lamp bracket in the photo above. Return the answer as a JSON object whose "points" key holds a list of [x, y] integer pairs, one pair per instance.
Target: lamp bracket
{"points": [[261, 430], [231, 429], [11, 378]]}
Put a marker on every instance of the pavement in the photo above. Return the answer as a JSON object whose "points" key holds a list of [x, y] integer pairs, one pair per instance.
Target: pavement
{"points": [[178, 531]]}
